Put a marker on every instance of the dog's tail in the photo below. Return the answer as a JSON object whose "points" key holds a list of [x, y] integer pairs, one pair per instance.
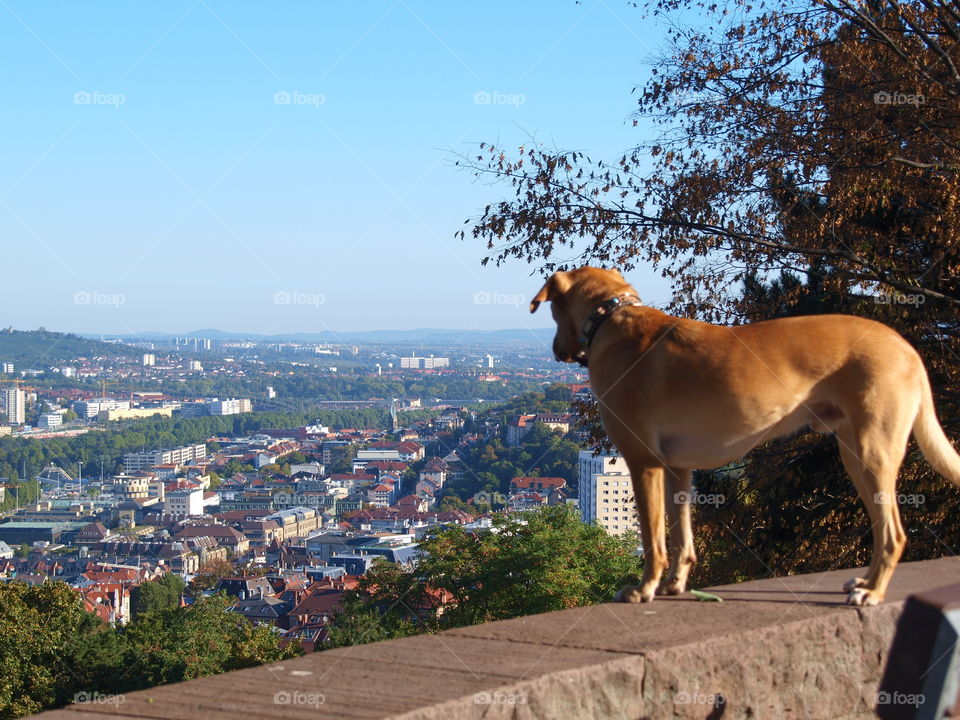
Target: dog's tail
{"points": [[930, 437]]}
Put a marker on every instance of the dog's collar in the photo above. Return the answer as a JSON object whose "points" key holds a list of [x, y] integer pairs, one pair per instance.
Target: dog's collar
{"points": [[599, 315]]}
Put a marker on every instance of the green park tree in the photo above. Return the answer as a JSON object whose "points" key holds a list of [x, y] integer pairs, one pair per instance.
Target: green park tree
{"points": [[531, 563]]}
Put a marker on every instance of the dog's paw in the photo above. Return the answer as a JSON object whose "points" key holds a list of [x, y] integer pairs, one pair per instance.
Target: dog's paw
{"points": [[672, 587], [633, 594], [863, 597], [854, 583]]}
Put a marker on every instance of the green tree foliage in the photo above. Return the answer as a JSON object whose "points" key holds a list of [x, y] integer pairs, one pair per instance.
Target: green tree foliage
{"points": [[51, 649], [537, 562], [37, 625], [809, 150], [161, 594], [491, 465], [23, 493], [26, 347], [341, 458], [209, 576], [202, 639]]}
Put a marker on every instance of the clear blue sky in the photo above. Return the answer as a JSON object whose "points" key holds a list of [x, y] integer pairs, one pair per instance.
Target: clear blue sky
{"points": [[151, 180]]}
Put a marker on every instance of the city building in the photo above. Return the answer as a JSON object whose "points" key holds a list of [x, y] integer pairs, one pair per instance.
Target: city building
{"points": [[132, 487], [91, 408], [232, 406], [6, 368], [195, 366], [50, 421], [181, 503], [149, 359], [518, 427], [14, 405], [606, 493], [425, 363], [134, 413], [133, 462]]}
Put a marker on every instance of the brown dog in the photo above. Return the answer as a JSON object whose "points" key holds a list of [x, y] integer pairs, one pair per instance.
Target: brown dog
{"points": [[677, 395]]}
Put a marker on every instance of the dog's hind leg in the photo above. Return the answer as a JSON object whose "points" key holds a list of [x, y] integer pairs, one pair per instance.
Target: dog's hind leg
{"points": [[648, 489], [683, 557], [872, 457]]}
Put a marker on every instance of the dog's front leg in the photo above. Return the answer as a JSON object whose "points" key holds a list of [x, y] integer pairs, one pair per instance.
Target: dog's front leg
{"points": [[683, 556], [648, 489]]}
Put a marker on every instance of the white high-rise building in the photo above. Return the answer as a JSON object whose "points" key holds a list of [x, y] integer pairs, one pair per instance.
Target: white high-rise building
{"points": [[196, 366], [231, 406], [606, 493], [91, 408], [149, 359], [6, 368], [14, 405]]}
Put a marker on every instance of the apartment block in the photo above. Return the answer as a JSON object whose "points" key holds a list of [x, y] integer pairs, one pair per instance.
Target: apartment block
{"points": [[14, 405], [134, 462], [606, 493], [232, 406]]}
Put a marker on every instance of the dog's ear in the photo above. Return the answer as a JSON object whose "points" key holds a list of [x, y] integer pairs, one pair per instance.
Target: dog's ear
{"points": [[558, 284]]}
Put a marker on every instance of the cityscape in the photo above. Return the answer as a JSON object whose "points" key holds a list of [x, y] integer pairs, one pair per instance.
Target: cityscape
{"points": [[290, 516], [544, 360]]}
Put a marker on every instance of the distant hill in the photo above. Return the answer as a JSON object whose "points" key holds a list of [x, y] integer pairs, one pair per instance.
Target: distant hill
{"points": [[36, 349], [432, 336]]}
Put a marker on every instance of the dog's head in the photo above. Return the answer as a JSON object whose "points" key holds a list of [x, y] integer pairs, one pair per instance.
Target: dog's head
{"points": [[573, 296]]}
